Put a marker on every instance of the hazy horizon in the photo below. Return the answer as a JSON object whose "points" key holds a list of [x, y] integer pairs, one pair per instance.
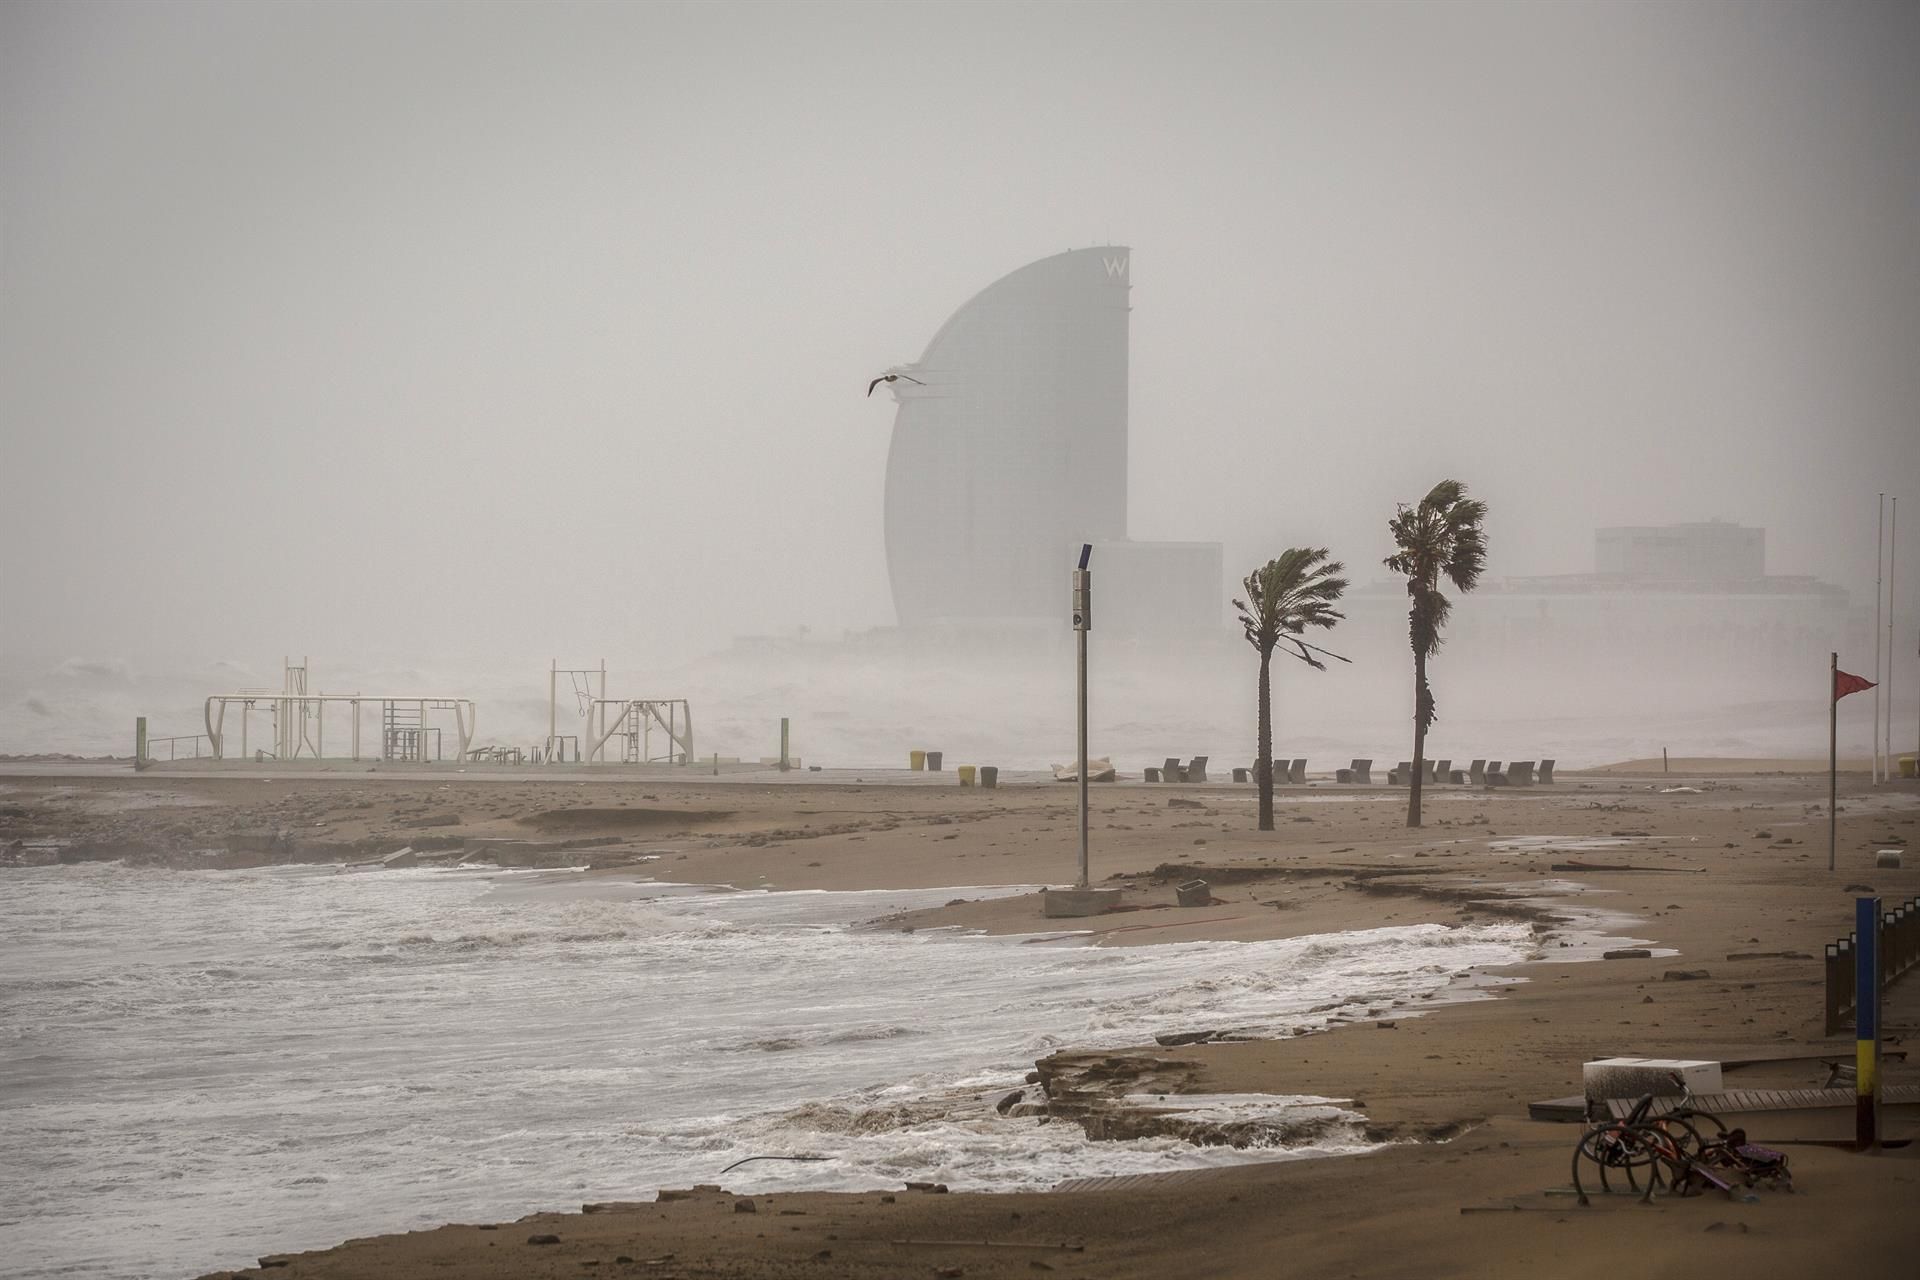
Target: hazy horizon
{"points": [[343, 329]]}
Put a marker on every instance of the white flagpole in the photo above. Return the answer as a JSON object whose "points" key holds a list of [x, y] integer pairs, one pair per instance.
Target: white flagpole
{"points": [[1893, 545], [1879, 590]]}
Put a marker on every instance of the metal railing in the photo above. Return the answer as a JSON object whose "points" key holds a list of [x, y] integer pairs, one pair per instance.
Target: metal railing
{"points": [[1899, 952], [175, 751]]}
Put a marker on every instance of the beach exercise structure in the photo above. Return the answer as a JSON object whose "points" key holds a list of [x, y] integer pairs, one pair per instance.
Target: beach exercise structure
{"points": [[633, 720], [298, 721]]}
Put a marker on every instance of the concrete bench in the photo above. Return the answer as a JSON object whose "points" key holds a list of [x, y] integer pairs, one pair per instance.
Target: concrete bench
{"points": [[1401, 775], [1360, 772], [1520, 773], [1546, 773]]}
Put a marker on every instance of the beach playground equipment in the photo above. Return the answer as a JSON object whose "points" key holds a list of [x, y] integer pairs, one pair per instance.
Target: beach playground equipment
{"points": [[634, 721], [297, 722]]}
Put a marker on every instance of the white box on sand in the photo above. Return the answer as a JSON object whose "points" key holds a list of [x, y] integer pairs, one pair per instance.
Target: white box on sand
{"points": [[1635, 1077]]}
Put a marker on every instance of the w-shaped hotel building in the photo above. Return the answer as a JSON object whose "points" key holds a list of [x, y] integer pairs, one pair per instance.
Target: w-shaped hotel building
{"points": [[1010, 450]]}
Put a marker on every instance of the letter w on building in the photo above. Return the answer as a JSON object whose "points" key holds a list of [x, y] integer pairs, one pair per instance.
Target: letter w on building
{"points": [[1115, 267]]}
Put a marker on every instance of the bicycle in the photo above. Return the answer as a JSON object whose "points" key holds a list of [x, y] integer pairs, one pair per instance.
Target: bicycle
{"points": [[1654, 1150]]}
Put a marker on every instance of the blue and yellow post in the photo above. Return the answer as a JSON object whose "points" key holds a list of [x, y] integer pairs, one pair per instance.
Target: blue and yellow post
{"points": [[1866, 1046]]}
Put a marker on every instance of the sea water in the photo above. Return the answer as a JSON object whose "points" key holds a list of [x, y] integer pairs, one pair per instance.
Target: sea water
{"points": [[199, 1068]]}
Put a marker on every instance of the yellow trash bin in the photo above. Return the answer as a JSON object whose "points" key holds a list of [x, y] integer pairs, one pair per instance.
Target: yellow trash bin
{"points": [[966, 775], [1906, 766], [917, 761]]}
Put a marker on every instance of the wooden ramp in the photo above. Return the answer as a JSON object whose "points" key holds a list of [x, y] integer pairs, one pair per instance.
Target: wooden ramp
{"points": [[1736, 1101]]}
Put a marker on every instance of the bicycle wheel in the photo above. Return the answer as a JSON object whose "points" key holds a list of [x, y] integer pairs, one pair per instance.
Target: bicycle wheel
{"points": [[1665, 1165], [1686, 1139], [1610, 1159], [1702, 1122]]}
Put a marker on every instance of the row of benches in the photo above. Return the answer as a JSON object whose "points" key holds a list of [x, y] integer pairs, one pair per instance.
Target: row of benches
{"points": [[1293, 772]]}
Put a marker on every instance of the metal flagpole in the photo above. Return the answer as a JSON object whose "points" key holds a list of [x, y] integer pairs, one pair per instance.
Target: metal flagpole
{"points": [[1879, 555], [1833, 756], [1082, 623], [1893, 547]]}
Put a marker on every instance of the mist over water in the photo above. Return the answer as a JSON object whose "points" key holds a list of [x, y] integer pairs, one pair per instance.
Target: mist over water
{"points": [[199, 1068], [865, 705]]}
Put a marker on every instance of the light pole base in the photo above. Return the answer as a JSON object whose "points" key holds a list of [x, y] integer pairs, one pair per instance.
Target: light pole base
{"points": [[1057, 904]]}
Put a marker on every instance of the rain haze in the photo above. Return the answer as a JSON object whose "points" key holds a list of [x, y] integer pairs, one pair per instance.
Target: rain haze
{"points": [[541, 637], [451, 339]]}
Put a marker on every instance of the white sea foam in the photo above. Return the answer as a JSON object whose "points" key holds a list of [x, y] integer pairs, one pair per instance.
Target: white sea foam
{"points": [[196, 1068]]}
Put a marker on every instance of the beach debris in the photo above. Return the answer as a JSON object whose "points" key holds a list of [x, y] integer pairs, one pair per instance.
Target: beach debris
{"points": [[1680, 791], [1684, 975], [748, 1159], [1887, 858], [1627, 953], [1193, 893], [1100, 770], [937, 1188], [745, 1206], [545, 1238], [1174, 1039], [1858, 888], [1178, 803]]}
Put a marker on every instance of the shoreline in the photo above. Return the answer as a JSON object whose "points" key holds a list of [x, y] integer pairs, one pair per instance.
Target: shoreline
{"points": [[1752, 882]]}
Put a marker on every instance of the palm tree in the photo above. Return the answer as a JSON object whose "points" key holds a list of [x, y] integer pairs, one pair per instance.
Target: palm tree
{"points": [[1284, 598], [1440, 537]]}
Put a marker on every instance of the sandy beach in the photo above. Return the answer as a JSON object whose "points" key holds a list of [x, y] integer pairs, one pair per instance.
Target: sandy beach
{"points": [[1720, 867]]}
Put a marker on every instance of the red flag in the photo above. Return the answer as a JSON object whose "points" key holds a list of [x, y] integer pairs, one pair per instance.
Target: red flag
{"points": [[1844, 684]]}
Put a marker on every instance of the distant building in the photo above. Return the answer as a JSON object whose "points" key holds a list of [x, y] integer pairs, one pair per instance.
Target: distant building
{"points": [[1713, 552], [1010, 450], [1682, 598]]}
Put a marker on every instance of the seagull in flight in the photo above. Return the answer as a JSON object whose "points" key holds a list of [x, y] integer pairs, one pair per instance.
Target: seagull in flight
{"points": [[892, 377]]}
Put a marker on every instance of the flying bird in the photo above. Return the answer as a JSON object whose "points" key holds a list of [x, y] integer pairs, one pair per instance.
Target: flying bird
{"points": [[892, 377]]}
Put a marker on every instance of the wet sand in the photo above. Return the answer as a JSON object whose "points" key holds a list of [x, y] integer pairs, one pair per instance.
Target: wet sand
{"points": [[1727, 876]]}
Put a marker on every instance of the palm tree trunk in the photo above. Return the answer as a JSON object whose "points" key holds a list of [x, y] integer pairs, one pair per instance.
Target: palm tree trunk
{"points": [[1263, 767], [1419, 737]]}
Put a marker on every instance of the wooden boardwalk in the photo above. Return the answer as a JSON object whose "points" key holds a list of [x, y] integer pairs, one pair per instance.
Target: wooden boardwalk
{"points": [[1736, 1101]]}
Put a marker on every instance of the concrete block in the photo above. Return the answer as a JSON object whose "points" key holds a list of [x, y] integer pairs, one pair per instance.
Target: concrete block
{"points": [[1887, 858], [1635, 1077], [1058, 904], [1193, 893]]}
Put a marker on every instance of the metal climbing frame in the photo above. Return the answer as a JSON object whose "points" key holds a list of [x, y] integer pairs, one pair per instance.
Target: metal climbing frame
{"points": [[635, 720], [406, 733]]}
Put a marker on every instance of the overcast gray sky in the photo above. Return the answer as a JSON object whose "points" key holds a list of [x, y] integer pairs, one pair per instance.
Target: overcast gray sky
{"points": [[546, 326]]}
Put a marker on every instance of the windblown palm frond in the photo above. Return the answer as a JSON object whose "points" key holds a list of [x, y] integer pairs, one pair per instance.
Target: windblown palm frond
{"points": [[1287, 595]]}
